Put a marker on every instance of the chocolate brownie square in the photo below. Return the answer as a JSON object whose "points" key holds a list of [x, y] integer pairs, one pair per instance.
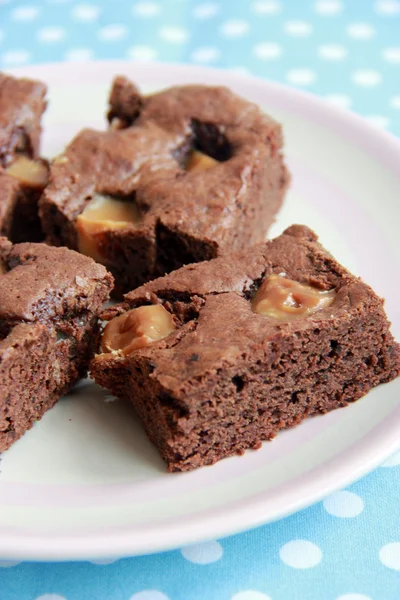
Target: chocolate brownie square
{"points": [[50, 299], [217, 357], [22, 103], [198, 172]]}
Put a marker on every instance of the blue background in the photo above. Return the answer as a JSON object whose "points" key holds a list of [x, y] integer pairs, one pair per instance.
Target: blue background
{"points": [[347, 51]]}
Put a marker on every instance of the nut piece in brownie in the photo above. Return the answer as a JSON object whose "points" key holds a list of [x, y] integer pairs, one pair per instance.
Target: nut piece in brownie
{"points": [[23, 174], [232, 350], [197, 172], [50, 299]]}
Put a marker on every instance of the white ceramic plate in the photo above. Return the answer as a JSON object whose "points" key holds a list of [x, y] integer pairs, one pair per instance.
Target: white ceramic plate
{"points": [[85, 482]]}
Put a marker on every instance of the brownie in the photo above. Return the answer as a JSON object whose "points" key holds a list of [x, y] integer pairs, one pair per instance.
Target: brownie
{"points": [[179, 214], [22, 103], [50, 299], [19, 207], [223, 377]]}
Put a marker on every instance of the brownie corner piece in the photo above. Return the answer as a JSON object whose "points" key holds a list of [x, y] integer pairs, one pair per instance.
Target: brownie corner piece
{"points": [[219, 356], [22, 103], [50, 301], [23, 175], [181, 176]]}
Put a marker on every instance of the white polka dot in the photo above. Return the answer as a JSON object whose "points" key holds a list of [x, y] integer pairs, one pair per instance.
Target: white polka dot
{"points": [[79, 54], [234, 28], [344, 504], [366, 77], [361, 31], [267, 50], [104, 561], [206, 54], [112, 33], [332, 52], [328, 7], [353, 597], [6, 564], [142, 53], [392, 55], [301, 76], [388, 7], [206, 11], [51, 597], [378, 120], [15, 57], [298, 28], [203, 554], [267, 7], [250, 595], [174, 35], [146, 10], [300, 554], [51, 34], [149, 595], [394, 460], [25, 13], [85, 12], [389, 555], [339, 100]]}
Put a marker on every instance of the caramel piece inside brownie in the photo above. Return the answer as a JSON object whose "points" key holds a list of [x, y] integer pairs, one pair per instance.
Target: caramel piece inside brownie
{"points": [[103, 213], [137, 328], [198, 161], [285, 299], [30, 173]]}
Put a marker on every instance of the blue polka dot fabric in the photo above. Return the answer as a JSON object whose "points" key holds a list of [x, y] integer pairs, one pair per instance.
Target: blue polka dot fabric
{"points": [[347, 51]]}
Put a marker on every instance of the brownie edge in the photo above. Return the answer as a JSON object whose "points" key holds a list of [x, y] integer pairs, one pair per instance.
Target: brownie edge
{"points": [[227, 378], [50, 301]]}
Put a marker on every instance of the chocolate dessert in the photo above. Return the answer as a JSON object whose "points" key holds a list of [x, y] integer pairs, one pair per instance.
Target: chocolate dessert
{"points": [[22, 174], [50, 299], [218, 356], [182, 176]]}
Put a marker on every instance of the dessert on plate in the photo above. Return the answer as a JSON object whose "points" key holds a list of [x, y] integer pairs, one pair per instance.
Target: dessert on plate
{"points": [[218, 356], [23, 174], [181, 176], [50, 299]]}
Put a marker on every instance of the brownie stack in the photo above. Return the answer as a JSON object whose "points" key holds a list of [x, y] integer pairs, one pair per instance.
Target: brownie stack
{"points": [[228, 339]]}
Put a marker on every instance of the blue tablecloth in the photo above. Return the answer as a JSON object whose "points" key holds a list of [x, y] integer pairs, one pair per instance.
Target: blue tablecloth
{"points": [[348, 51]]}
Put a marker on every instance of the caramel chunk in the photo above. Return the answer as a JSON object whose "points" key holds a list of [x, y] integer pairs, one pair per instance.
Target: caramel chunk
{"points": [[30, 173], [285, 299], [198, 161], [103, 213], [137, 328]]}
